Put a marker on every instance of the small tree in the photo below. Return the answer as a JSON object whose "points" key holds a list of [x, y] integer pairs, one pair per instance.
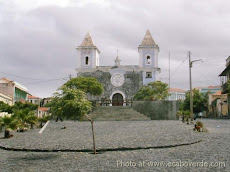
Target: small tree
{"points": [[26, 105], [153, 91], [24, 113], [199, 101], [5, 107], [71, 101]]}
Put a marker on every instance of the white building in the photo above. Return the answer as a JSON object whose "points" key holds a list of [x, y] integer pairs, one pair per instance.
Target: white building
{"points": [[42, 111], [34, 100], [176, 94], [6, 99]]}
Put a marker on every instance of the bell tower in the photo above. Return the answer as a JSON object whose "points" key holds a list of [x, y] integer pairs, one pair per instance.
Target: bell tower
{"points": [[148, 58], [88, 54]]}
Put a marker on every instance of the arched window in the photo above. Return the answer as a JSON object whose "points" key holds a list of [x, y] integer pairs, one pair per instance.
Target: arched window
{"points": [[148, 60], [86, 60]]}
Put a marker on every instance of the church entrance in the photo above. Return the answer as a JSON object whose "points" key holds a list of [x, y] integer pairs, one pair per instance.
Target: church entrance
{"points": [[117, 100]]}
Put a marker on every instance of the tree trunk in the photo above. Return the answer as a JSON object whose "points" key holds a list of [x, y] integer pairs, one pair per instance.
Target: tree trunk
{"points": [[94, 144], [7, 133]]}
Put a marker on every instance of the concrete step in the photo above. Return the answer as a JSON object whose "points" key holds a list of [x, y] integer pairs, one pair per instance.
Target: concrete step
{"points": [[119, 113]]}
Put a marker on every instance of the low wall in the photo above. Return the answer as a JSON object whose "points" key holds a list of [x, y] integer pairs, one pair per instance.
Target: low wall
{"points": [[158, 110]]}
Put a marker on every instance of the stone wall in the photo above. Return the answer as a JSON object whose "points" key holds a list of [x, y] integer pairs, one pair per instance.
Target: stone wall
{"points": [[132, 83], [158, 110]]}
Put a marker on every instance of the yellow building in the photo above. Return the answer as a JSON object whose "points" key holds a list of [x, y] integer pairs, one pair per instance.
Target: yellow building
{"points": [[218, 104]]}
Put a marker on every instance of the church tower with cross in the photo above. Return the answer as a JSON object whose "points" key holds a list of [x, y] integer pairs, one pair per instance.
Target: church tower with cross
{"points": [[120, 82]]}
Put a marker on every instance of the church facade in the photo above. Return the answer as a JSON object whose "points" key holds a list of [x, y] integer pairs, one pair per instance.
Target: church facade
{"points": [[120, 82]]}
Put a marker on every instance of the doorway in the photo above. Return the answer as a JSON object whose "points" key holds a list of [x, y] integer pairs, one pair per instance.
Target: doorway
{"points": [[117, 100]]}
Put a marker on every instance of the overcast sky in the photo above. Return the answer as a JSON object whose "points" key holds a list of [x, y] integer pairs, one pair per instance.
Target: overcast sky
{"points": [[38, 38]]}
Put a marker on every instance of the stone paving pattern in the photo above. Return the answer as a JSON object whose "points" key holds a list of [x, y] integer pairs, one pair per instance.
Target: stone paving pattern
{"points": [[215, 146], [109, 134]]}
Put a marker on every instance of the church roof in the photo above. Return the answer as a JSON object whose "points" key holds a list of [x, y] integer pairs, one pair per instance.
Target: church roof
{"points": [[88, 41], [148, 39]]}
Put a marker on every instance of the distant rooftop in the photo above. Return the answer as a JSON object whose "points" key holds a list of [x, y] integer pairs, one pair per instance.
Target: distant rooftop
{"points": [[19, 86], [33, 97], [43, 108], [177, 90], [4, 80], [209, 87], [218, 93]]}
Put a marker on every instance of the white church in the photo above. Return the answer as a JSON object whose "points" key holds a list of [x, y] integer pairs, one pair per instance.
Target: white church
{"points": [[120, 82]]}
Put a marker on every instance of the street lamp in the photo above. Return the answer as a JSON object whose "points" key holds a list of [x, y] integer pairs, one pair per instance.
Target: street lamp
{"points": [[190, 77]]}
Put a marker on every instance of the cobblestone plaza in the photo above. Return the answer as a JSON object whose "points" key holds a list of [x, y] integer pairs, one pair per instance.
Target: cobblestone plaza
{"points": [[207, 151]]}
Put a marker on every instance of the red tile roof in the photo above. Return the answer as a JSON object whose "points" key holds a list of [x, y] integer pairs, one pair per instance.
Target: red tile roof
{"points": [[33, 97], [209, 87], [177, 90], [218, 93], [43, 108], [5, 79]]}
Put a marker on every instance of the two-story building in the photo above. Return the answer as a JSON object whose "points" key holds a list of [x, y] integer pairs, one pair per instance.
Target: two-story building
{"points": [[14, 90], [225, 76], [217, 105]]}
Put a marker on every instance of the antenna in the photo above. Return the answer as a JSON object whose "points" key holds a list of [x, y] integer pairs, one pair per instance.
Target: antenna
{"points": [[169, 70]]}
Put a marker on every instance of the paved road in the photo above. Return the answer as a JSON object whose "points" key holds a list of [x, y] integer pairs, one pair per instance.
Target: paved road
{"points": [[214, 150]]}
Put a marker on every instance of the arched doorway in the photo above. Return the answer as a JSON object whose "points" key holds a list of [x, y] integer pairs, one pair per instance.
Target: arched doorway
{"points": [[117, 100]]}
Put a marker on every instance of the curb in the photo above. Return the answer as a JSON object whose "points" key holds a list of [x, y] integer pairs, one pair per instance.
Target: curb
{"points": [[99, 150]]}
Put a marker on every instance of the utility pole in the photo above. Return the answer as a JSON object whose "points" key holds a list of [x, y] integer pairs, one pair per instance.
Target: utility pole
{"points": [[169, 70], [190, 78], [191, 95]]}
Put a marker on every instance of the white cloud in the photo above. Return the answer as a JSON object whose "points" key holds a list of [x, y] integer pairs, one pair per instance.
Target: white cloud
{"points": [[38, 37]]}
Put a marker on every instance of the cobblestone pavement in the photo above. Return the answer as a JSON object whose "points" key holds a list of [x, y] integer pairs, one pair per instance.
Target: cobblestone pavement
{"points": [[109, 134], [212, 151]]}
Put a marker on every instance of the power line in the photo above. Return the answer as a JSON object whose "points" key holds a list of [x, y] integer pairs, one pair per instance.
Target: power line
{"points": [[46, 81], [215, 58], [28, 77], [20, 76], [178, 67], [39, 80]]}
